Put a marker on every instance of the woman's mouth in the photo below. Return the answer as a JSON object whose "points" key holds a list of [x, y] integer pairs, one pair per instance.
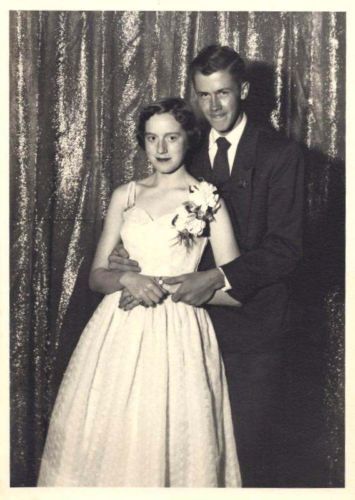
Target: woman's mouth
{"points": [[162, 159]]}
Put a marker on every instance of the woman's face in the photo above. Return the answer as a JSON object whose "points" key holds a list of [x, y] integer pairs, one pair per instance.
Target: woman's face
{"points": [[166, 143]]}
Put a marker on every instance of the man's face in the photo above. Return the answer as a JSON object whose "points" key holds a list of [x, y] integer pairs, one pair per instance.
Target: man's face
{"points": [[219, 96]]}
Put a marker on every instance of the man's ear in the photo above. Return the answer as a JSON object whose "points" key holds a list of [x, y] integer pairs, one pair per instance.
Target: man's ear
{"points": [[244, 90]]}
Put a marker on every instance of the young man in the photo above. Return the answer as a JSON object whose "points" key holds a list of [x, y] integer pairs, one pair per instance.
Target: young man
{"points": [[260, 176]]}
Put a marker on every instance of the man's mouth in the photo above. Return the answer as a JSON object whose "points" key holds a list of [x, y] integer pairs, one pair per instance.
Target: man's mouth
{"points": [[217, 117]]}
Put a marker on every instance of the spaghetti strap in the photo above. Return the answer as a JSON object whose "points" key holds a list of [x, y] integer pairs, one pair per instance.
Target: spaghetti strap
{"points": [[131, 195]]}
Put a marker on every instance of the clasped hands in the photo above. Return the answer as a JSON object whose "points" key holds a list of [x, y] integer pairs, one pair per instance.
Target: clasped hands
{"points": [[193, 288]]}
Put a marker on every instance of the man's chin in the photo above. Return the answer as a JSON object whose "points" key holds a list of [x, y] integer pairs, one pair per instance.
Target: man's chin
{"points": [[220, 126]]}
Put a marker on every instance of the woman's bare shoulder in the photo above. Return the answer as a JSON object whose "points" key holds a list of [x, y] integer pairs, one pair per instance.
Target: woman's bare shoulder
{"points": [[120, 195]]}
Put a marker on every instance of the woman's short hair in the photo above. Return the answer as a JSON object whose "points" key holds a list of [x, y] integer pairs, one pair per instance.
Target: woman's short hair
{"points": [[182, 113], [218, 58]]}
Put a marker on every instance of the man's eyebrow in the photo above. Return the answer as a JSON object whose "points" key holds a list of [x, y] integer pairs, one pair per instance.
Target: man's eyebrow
{"points": [[218, 90]]}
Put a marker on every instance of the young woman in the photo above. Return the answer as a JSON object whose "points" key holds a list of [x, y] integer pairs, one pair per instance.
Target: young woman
{"points": [[144, 400]]}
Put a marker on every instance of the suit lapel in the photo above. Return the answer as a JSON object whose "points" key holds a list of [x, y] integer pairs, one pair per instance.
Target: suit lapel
{"points": [[244, 160], [239, 187]]}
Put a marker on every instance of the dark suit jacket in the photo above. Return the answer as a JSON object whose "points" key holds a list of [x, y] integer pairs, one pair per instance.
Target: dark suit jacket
{"points": [[264, 196]]}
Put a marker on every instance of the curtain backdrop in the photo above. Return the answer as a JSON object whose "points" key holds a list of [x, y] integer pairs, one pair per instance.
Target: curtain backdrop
{"points": [[78, 80]]}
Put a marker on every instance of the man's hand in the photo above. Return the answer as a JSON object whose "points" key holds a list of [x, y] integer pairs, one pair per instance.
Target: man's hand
{"points": [[127, 301], [119, 259], [196, 288]]}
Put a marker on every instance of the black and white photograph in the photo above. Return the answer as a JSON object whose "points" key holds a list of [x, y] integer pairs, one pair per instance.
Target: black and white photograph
{"points": [[177, 248]]}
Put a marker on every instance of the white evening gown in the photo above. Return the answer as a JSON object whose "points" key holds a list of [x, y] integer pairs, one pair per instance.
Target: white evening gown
{"points": [[144, 399]]}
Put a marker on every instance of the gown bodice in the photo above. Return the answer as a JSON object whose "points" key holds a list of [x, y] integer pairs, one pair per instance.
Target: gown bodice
{"points": [[154, 243]]}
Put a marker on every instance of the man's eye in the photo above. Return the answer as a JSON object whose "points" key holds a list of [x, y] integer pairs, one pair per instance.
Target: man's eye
{"points": [[203, 95], [150, 138], [224, 92], [172, 138]]}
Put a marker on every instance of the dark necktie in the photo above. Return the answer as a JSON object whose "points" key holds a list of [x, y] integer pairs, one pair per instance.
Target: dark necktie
{"points": [[220, 165]]}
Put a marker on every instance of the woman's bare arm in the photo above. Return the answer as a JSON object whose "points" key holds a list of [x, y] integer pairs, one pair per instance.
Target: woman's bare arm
{"points": [[102, 279]]}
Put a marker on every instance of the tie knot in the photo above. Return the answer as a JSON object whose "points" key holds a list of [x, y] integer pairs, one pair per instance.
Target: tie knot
{"points": [[223, 144]]}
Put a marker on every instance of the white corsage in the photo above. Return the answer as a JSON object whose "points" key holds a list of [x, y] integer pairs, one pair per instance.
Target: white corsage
{"points": [[192, 217]]}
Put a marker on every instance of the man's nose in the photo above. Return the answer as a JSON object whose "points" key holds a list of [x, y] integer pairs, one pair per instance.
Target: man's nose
{"points": [[215, 102], [162, 146]]}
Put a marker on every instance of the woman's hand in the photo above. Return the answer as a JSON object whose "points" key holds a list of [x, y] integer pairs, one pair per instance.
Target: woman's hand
{"points": [[143, 288]]}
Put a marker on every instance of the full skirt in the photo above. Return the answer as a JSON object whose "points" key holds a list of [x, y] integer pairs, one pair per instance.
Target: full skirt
{"points": [[143, 403]]}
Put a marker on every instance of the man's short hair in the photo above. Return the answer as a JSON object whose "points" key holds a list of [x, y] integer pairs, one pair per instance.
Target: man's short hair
{"points": [[218, 58]]}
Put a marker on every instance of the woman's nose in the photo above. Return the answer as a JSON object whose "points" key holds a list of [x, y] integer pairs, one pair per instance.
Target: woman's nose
{"points": [[162, 146]]}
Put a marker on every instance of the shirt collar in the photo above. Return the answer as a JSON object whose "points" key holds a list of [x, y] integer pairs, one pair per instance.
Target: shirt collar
{"points": [[233, 136]]}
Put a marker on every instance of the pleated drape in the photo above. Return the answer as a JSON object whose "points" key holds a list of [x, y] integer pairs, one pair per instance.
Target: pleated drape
{"points": [[78, 80]]}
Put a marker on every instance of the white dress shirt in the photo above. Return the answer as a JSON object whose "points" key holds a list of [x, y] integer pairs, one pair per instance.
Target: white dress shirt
{"points": [[233, 137]]}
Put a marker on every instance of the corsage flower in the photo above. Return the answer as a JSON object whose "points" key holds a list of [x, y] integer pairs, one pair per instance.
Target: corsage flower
{"points": [[193, 215]]}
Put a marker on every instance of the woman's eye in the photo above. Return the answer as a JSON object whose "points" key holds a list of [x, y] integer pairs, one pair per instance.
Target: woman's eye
{"points": [[172, 138], [150, 138]]}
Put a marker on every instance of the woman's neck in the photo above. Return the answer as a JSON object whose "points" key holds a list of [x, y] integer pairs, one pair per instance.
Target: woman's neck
{"points": [[179, 178], [163, 193]]}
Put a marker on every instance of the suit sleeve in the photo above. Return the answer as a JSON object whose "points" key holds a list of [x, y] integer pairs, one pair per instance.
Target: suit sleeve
{"points": [[281, 248]]}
